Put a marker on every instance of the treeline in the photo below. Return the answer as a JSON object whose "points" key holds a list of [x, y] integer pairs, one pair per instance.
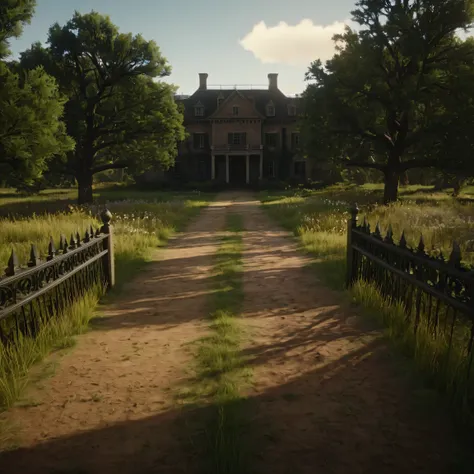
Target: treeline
{"points": [[86, 102], [397, 96]]}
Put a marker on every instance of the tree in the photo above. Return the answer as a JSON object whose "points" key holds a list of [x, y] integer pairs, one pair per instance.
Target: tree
{"points": [[117, 113], [13, 15], [376, 103], [31, 130]]}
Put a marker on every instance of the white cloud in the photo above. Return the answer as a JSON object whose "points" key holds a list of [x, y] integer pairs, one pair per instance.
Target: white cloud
{"points": [[292, 44]]}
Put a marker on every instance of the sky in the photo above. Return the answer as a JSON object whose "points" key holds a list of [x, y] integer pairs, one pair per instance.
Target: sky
{"points": [[236, 43]]}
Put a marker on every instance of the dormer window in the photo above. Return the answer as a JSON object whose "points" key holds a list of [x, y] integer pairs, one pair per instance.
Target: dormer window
{"points": [[199, 110], [291, 110], [270, 109], [220, 99], [235, 111]]}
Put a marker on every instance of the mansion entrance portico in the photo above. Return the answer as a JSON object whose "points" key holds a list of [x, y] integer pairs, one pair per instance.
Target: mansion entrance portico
{"points": [[237, 164]]}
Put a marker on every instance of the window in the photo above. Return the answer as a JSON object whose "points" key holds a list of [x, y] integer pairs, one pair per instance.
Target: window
{"points": [[235, 110], [291, 110], [270, 110], [237, 138], [199, 140], [295, 140], [219, 101], [199, 111], [271, 139]]}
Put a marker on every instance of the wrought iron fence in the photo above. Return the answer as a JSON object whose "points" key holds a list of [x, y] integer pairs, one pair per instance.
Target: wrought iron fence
{"points": [[31, 296], [437, 294]]}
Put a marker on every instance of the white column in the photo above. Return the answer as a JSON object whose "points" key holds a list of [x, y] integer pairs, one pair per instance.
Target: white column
{"points": [[261, 165], [213, 167], [247, 168], [227, 169]]}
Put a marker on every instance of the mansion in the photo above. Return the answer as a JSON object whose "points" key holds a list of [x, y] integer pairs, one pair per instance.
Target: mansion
{"points": [[239, 136]]}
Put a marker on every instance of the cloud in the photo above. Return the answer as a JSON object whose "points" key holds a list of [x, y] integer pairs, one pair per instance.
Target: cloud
{"points": [[292, 44]]}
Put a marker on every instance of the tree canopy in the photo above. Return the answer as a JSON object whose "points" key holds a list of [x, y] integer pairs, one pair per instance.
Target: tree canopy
{"points": [[31, 130], [380, 101], [117, 112]]}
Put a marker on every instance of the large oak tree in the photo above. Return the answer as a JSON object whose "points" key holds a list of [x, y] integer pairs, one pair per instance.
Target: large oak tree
{"points": [[376, 103], [118, 113]]}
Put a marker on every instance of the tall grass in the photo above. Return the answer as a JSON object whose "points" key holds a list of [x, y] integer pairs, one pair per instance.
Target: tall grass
{"points": [[17, 358], [319, 220]]}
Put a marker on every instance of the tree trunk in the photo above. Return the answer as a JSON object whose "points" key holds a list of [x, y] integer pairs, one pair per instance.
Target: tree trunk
{"points": [[391, 182], [84, 182]]}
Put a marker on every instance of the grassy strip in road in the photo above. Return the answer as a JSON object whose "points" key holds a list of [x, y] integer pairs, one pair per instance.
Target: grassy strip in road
{"points": [[221, 366]]}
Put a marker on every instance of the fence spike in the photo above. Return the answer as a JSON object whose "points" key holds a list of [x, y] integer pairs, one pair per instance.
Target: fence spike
{"points": [[421, 245], [87, 237], [455, 257], [367, 228], [97, 232], [378, 232], [51, 249], [441, 257], [72, 242], [13, 264], [34, 256], [91, 231], [63, 243], [403, 241], [389, 237], [78, 239]]}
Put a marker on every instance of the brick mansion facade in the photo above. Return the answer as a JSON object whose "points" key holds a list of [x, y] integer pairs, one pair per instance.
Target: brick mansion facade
{"points": [[239, 136]]}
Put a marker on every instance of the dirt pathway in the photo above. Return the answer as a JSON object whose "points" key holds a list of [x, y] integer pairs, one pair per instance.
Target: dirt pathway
{"points": [[110, 407], [328, 395]]}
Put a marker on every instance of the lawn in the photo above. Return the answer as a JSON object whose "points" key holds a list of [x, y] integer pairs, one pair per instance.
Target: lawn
{"points": [[141, 223]]}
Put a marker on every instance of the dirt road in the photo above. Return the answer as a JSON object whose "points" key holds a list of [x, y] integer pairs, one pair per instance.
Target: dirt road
{"points": [[328, 396]]}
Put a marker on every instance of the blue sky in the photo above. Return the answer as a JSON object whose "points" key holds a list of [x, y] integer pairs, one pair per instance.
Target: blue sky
{"points": [[234, 42]]}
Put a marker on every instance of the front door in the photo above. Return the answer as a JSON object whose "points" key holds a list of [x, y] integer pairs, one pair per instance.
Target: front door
{"points": [[237, 170]]}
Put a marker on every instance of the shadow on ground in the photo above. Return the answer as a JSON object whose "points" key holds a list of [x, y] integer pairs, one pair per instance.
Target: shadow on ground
{"points": [[350, 412]]}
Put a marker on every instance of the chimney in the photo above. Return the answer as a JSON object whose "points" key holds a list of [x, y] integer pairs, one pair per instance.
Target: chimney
{"points": [[273, 81], [203, 81]]}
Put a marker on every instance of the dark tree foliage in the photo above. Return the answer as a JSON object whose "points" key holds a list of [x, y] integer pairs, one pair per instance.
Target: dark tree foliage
{"points": [[379, 102]]}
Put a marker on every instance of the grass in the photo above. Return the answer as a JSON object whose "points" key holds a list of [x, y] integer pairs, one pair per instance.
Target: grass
{"points": [[319, 220], [139, 225], [17, 359], [220, 371]]}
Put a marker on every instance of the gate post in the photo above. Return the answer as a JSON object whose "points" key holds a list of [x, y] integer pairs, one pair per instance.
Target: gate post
{"points": [[109, 260], [351, 225]]}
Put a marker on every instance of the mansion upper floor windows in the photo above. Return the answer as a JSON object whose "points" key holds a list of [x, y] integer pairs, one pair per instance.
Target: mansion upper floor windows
{"points": [[237, 138], [199, 110], [270, 109]]}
